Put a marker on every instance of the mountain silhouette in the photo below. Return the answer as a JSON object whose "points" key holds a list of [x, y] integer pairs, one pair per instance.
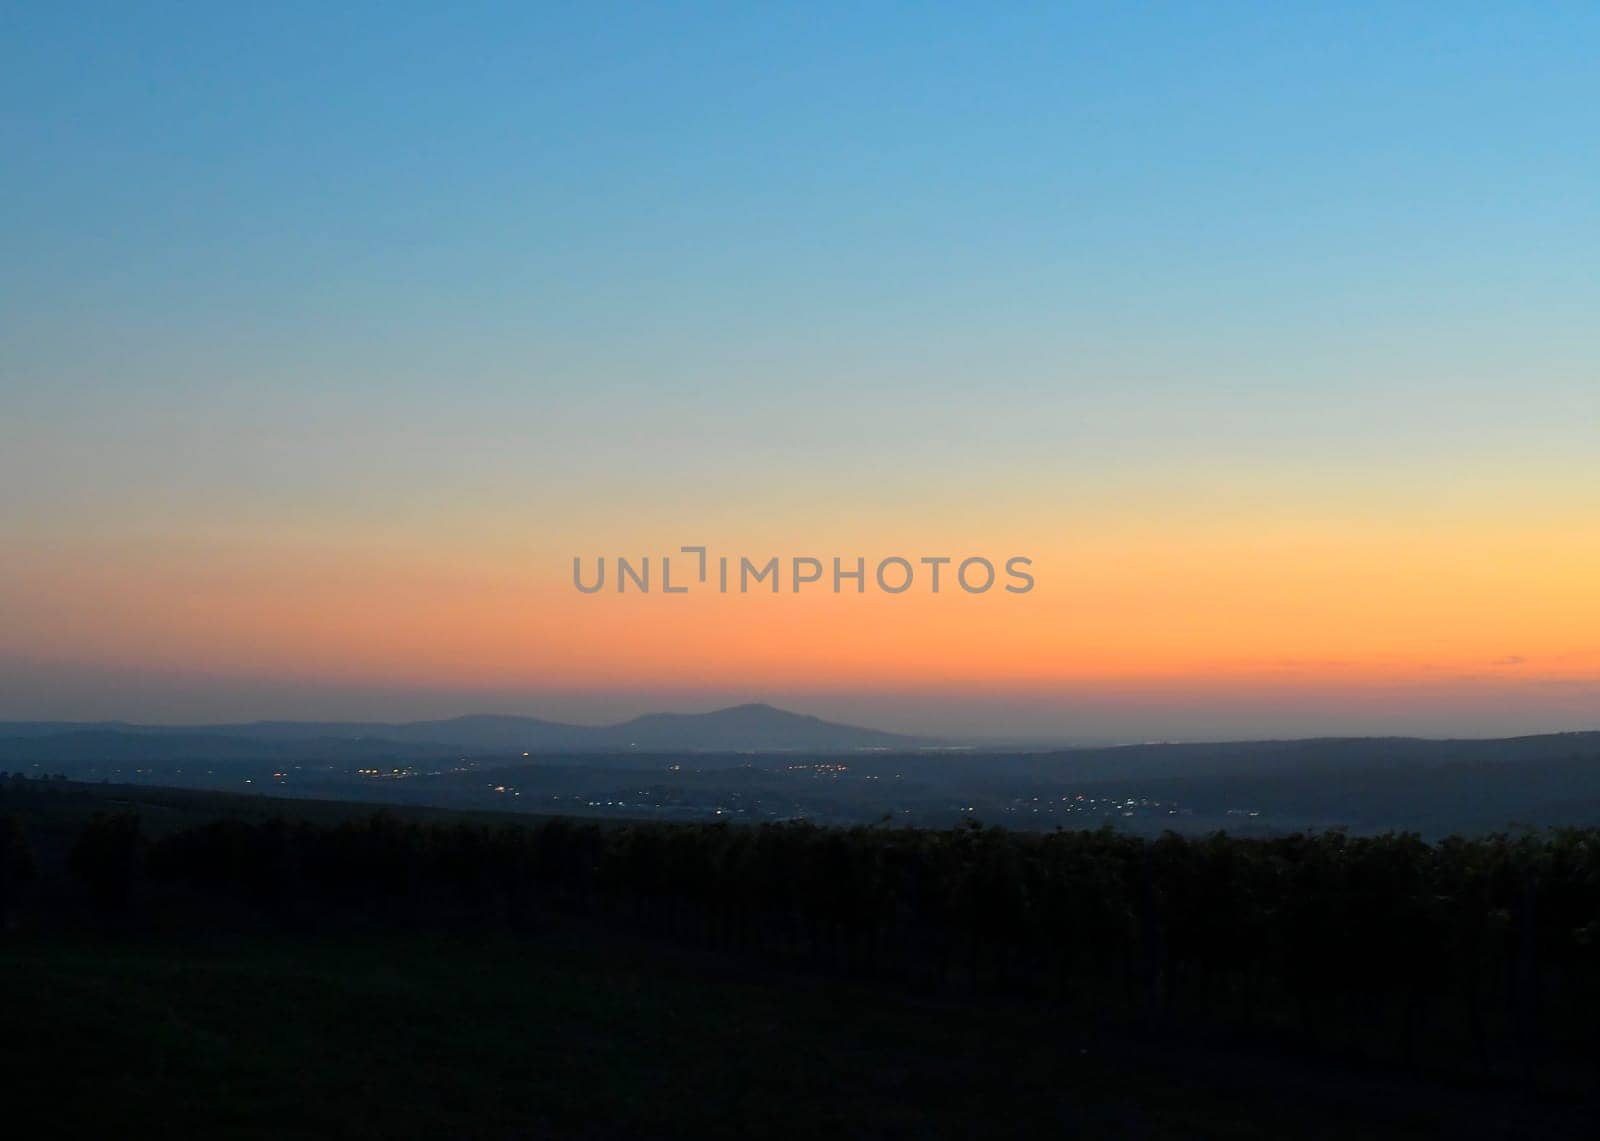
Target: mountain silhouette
{"points": [[756, 726], [741, 728]]}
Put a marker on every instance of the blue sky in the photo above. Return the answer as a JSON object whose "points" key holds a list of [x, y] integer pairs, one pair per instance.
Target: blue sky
{"points": [[370, 269]]}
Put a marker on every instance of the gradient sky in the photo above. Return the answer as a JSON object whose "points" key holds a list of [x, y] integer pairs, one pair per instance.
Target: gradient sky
{"points": [[1271, 333]]}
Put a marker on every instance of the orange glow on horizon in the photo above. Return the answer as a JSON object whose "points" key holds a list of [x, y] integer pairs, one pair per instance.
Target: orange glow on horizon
{"points": [[1300, 604]]}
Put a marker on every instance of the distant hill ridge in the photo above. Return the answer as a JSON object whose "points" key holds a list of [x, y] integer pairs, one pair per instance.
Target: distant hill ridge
{"points": [[753, 727]]}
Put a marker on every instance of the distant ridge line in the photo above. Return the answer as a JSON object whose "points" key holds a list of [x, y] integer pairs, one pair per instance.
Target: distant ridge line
{"points": [[749, 727]]}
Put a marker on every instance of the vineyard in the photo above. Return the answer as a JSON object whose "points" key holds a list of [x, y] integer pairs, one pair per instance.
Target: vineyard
{"points": [[1473, 956]]}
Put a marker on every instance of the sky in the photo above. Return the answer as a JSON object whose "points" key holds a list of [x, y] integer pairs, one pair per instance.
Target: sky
{"points": [[329, 339]]}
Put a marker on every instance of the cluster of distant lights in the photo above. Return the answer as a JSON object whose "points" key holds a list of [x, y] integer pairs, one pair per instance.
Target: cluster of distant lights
{"points": [[1129, 806], [1126, 807]]}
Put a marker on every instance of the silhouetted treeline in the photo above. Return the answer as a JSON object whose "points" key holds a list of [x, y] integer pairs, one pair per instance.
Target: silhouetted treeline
{"points": [[1482, 953]]}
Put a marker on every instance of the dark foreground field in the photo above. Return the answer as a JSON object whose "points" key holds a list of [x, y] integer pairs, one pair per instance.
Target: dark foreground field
{"points": [[571, 1034], [193, 965]]}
